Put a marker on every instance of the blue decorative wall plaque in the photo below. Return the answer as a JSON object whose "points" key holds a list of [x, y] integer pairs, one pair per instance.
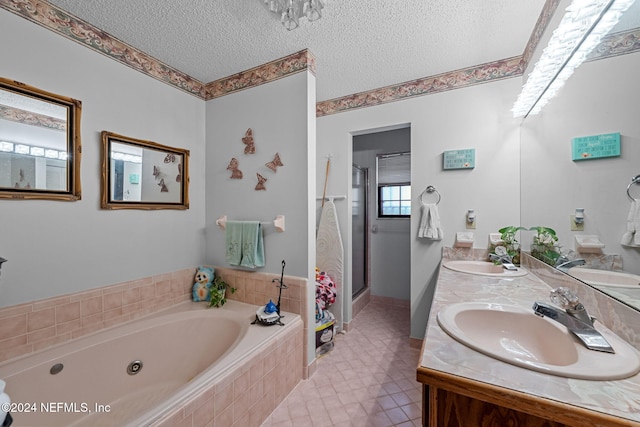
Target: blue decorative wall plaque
{"points": [[459, 159], [595, 147]]}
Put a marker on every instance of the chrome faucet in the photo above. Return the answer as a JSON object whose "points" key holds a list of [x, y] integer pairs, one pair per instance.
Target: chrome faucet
{"points": [[574, 317], [563, 263], [502, 259]]}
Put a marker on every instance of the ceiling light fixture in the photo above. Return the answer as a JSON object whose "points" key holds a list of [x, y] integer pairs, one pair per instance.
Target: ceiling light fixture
{"points": [[581, 29], [291, 11]]}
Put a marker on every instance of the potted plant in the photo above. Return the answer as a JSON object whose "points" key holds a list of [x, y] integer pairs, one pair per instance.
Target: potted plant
{"points": [[510, 245], [219, 291], [544, 246]]}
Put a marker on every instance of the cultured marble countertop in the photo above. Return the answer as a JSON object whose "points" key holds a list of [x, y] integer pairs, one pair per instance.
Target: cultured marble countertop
{"points": [[620, 398]]}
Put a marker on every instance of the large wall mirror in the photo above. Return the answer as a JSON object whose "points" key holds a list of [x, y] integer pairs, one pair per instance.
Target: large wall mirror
{"points": [[39, 143], [139, 174], [599, 98]]}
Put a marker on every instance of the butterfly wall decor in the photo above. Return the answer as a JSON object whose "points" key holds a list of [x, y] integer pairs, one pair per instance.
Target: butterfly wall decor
{"points": [[179, 176], [156, 172], [233, 167], [247, 139], [261, 181], [273, 165], [163, 186], [171, 158]]}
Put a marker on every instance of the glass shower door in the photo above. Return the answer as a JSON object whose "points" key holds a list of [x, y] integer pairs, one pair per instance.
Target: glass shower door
{"points": [[359, 225]]}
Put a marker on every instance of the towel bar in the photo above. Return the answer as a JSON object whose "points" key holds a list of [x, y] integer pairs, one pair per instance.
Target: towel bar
{"points": [[278, 222]]}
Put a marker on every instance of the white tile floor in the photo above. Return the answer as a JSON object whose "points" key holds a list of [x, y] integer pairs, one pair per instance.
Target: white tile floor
{"points": [[368, 379]]}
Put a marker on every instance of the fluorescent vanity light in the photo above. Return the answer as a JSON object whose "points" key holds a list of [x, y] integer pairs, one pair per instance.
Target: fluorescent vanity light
{"points": [[583, 26], [22, 149], [116, 155], [6, 146], [51, 154], [37, 151]]}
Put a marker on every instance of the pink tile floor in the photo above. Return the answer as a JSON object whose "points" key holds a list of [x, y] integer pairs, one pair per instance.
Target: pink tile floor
{"points": [[367, 380]]}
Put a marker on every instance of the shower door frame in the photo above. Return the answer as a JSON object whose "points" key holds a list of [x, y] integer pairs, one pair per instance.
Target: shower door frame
{"points": [[365, 260]]}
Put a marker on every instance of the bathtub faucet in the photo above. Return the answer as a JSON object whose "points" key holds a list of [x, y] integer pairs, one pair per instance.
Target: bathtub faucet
{"points": [[2, 260]]}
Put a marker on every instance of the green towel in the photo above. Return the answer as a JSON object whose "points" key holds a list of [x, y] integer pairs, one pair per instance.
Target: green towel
{"points": [[233, 236], [252, 245], [245, 247]]}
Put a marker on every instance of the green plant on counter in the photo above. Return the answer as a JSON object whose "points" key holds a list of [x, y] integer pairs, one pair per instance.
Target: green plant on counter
{"points": [[544, 246], [219, 292], [510, 244]]}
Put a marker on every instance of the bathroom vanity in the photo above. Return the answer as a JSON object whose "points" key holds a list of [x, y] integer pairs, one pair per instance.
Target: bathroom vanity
{"points": [[464, 387]]}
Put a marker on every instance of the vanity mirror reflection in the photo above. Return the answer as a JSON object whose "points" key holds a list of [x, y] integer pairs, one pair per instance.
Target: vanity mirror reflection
{"points": [[138, 174], [39, 143], [599, 98]]}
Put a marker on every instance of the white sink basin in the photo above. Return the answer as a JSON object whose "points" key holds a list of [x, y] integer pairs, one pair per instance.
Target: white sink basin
{"points": [[614, 279], [483, 268], [517, 336]]}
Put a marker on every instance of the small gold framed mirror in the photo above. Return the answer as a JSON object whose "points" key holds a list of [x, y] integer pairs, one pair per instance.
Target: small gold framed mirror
{"points": [[39, 143], [138, 174]]}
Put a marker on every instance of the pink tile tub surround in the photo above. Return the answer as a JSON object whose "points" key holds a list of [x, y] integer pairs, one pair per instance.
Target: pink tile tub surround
{"points": [[259, 288], [236, 375], [36, 325]]}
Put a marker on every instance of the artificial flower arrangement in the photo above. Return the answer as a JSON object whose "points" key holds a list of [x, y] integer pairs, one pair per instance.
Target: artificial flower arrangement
{"points": [[545, 245], [509, 249]]}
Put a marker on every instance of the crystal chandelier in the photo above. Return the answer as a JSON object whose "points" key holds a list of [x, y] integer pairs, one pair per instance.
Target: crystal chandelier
{"points": [[583, 26], [291, 11]]}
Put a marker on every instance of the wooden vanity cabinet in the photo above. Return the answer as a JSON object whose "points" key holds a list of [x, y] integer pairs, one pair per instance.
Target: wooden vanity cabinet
{"points": [[453, 401]]}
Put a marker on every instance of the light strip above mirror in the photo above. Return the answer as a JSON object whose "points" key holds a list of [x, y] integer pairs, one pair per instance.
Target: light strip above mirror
{"points": [[10, 147], [581, 29]]}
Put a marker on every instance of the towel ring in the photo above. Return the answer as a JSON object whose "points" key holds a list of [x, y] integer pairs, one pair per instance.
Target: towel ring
{"points": [[634, 180], [431, 189]]}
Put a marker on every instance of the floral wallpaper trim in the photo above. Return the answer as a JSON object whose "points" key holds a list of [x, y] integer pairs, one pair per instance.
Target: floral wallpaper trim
{"points": [[30, 118], [63, 23], [617, 44], [59, 21], [503, 69], [274, 70], [547, 13]]}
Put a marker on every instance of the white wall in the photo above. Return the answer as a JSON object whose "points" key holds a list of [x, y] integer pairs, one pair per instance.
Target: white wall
{"points": [[476, 117], [390, 244], [56, 247], [281, 115], [277, 114], [600, 97]]}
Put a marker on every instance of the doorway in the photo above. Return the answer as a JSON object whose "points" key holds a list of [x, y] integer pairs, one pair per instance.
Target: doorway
{"points": [[381, 217]]}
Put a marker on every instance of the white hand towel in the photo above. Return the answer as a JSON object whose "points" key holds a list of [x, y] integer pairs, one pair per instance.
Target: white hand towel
{"points": [[632, 235], [430, 222], [636, 224]]}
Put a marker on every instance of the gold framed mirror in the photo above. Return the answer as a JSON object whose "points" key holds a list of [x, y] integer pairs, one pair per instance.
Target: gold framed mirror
{"points": [[39, 143], [138, 174]]}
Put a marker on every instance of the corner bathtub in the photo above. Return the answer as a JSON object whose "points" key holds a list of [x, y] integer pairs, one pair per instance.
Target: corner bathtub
{"points": [[184, 350]]}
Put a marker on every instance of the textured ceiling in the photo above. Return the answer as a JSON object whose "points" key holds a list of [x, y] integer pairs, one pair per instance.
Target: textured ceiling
{"points": [[358, 45]]}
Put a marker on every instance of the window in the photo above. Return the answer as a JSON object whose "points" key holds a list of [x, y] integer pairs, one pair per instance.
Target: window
{"points": [[394, 200], [394, 185]]}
